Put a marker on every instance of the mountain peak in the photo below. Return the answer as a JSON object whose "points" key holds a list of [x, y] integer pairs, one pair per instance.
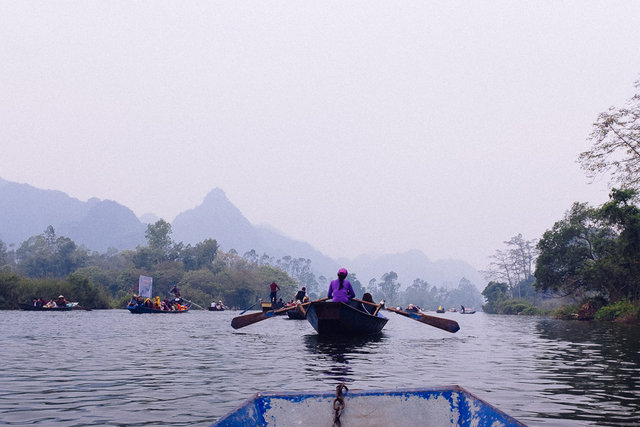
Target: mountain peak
{"points": [[215, 196]]}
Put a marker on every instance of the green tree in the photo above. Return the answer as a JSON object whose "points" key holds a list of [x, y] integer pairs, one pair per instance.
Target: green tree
{"points": [[495, 293], [159, 241], [569, 249], [199, 256], [47, 255], [624, 258]]}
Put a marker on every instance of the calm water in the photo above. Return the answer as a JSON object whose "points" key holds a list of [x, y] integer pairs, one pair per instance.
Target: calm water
{"points": [[114, 368]]}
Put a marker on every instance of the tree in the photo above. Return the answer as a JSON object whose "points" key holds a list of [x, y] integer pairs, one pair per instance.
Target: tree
{"points": [[570, 251], [389, 287], [616, 144], [513, 265], [358, 289], [159, 241], [418, 294], [48, 255], [495, 293], [621, 214], [4, 257], [465, 294], [199, 256]]}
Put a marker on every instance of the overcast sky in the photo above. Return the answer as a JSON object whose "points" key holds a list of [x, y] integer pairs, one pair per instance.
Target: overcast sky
{"points": [[356, 126]]}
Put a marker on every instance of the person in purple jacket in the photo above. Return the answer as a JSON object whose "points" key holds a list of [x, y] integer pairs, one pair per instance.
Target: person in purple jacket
{"points": [[340, 290]]}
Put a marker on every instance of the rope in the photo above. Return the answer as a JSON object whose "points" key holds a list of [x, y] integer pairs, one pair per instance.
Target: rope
{"points": [[338, 404]]}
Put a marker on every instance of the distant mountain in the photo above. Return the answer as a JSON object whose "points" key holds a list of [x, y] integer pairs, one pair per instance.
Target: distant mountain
{"points": [[149, 218], [105, 225], [217, 218], [26, 211]]}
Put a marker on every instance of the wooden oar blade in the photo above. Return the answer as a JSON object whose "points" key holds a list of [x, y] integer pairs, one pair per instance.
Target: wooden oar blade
{"points": [[248, 319], [440, 323], [437, 322]]}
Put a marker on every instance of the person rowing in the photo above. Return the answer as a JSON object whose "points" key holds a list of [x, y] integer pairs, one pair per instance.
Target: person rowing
{"points": [[340, 289]]}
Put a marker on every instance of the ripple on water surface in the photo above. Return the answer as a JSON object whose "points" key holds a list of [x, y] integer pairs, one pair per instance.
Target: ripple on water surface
{"points": [[112, 368]]}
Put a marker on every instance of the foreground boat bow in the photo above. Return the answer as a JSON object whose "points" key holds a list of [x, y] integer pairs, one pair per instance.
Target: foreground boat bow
{"points": [[437, 406]]}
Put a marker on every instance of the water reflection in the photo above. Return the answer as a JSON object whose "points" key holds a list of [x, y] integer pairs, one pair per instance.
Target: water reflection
{"points": [[333, 355], [192, 369], [590, 365]]}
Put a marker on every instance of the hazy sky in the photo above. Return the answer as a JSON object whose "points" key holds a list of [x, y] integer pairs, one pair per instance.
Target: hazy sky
{"points": [[357, 126]]}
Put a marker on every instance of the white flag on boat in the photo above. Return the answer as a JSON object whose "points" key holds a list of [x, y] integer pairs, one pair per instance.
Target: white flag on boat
{"points": [[144, 286]]}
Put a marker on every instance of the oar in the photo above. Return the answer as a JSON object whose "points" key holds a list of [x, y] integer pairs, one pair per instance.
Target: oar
{"points": [[438, 322], [249, 319], [191, 302], [248, 308]]}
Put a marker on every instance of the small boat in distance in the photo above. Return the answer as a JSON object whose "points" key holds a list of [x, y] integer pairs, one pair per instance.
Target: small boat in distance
{"points": [[267, 306], [219, 306], [139, 305], [440, 309], [339, 318], [439, 406], [141, 309], [68, 307], [412, 309]]}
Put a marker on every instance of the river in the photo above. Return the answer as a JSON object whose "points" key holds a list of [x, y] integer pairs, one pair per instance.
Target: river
{"points": [[110, 367]]}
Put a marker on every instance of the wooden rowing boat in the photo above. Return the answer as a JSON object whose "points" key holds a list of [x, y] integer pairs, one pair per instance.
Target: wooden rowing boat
{"points": [[339, 318], [69, 307], [437, 406], [141, 309], [297, 314]]}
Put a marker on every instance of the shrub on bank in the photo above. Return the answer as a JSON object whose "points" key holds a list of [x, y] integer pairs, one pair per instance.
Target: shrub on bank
{"points": [[567, 312], [623, 310]]}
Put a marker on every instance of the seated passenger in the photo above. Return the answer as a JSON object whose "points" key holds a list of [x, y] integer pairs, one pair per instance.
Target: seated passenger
{"points": [[368, 307]]}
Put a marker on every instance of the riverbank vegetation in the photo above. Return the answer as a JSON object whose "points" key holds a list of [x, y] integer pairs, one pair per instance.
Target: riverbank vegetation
{"points": [[47, 265], [587, 266]]}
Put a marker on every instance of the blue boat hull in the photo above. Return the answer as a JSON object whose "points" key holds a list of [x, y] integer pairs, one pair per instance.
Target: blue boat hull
{"points": [[137, 309], [430, 406], [338, 318]]}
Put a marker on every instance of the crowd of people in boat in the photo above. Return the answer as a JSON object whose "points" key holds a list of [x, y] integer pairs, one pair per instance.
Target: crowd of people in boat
{"points": [[60, 301], [173, 304]]}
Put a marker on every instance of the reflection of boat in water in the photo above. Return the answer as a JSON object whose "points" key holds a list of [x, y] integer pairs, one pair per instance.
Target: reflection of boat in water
{"points": [[451, 405], [338, 318]]}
